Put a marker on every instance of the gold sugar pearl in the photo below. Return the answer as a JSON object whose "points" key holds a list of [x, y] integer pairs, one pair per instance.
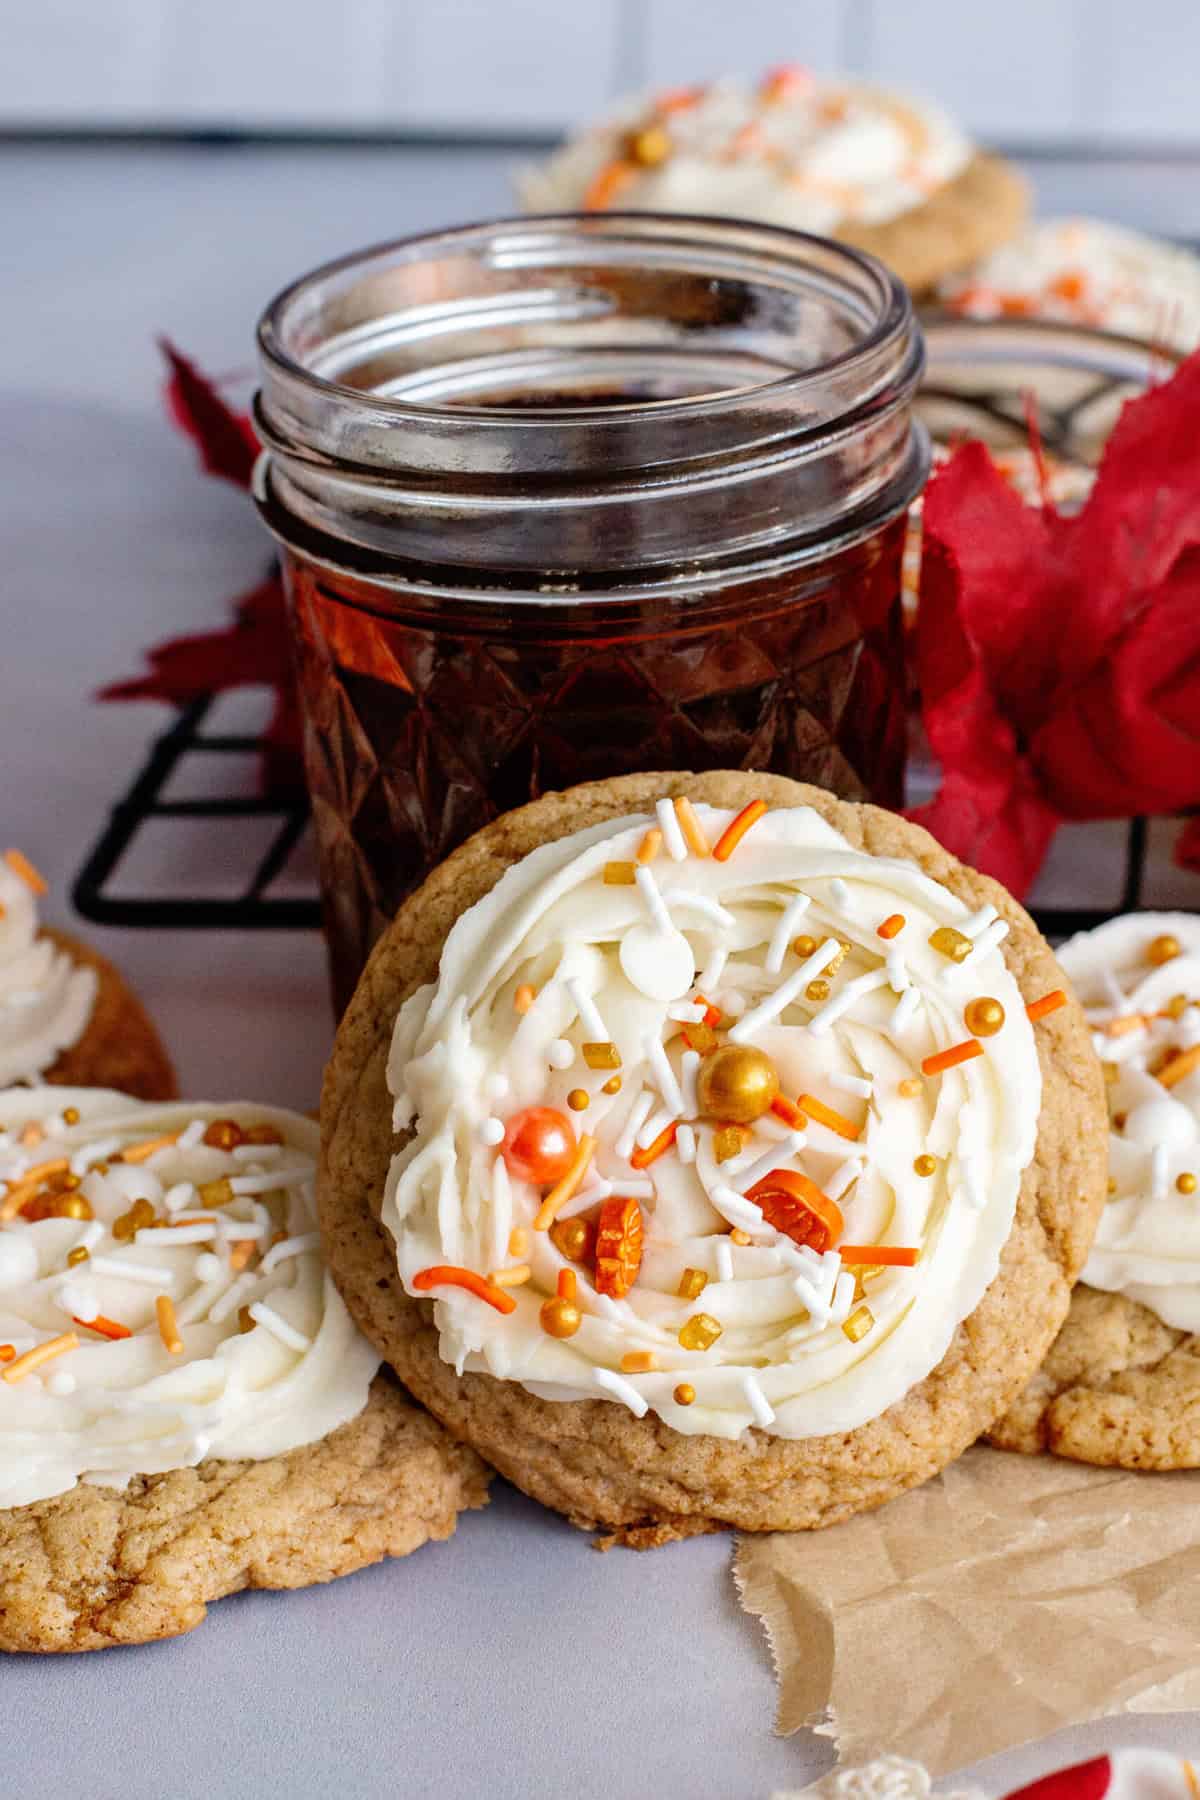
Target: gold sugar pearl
{"points": [[573, 1238], [692, 1284], [858, 1324], [817, 991], [952, 944], [804, 946], [215, 1193], [1162, 950], [77, 1256], [70, 1115], [1186, 1183], [911, 1088], [223, 1134], [601, 1056], [72, 1206], [925, 1165], [613, 1086], [736, 1085], [619, 874], [560, 1318], [684, 1394], [650, 146], [983, 1017], [578, 1099], [700, 1332]]}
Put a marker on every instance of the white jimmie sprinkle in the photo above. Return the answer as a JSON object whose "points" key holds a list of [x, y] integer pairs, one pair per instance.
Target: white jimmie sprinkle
{"points": [[622, 1390], [756, 1400], [785, 931], [271, 1321], [151, 1274], [639, 1112], [724, 1258], [685, 1146], [978, 921], [785, 993], [714, 968], [823, 1022], [668, 821], [664, 1074], [585, 1006], [906, 1009], [852, 1084]]}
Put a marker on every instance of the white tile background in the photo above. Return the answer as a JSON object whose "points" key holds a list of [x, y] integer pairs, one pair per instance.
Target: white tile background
{"points": [[1050, 72]]}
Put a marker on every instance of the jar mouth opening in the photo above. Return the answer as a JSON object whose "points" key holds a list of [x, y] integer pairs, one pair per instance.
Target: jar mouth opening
{"points": [[328, 331]]}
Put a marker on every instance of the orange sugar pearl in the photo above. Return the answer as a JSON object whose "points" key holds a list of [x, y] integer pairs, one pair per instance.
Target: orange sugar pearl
{"points": [[736, 830], [691, 827], [168, 1327], [517, 1276], [1038, 1009], [41, 1353], [21, 867], [524, 998], [562, 1190], [650, 846], [892, 926], [950, 1059], [641, 1159], [639, 1362], [827, 1116], [1179, 1066], [450, 1275], [568, 1286], [7, 1352], [105, 1328]]}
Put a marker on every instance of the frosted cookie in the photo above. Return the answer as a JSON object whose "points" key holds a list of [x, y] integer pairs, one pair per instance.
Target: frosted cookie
{"points": [[66, 1014], [1122, 1383], [889, 173], [1087, 272], [186, 1407], [701, 1164]]}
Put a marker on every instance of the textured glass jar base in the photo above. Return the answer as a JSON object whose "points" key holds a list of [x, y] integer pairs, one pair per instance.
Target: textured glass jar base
{"points": [[423, 723]]}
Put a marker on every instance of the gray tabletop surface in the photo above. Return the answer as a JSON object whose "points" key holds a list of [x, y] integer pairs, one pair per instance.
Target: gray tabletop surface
{"points": [[514, 1660]]}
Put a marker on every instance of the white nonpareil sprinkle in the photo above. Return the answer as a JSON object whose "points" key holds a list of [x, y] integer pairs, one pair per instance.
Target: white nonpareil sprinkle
{"points": [[839, 891], [897, 971], [685, 1012], [622, 1390], [496, 1086], [585, 1006], [191, 1135], [491, 1132], [232, 1297], [784, 932], [978, 921], [906, 1009], [713, 970], [756, 1400], [149, 1274], [180, 1197], [724, 1259], [823, 1022], [655, 904], [852, 1084], [771, 1159], [1158, 1172], [689, 1064], [263, 1153], [299, 1245], [699, 903], [180, 1234], [276, 1178], [844, 1176], [655, 1125], [561, 1054], [685, 1145], [99, 1151], [639, 1112], [60, 1383], [270, 1320], [668, 822], [664, 1074], [785, 993]]}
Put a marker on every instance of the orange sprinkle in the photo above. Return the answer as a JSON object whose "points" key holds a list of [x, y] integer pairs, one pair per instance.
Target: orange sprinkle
{"points": [[21, 866], [604, 187], [892, 926], [568, 1287], [168, 1328], [524, 998], [449, 1275], [949, 1059], [562, 1190], [1179, 1066], [7, 1352], [638, 1362], [1037, 1009], [789, 1112], [28, 1184], [516, 1276], [736, 830], [105, 1328], [31, 1135], [740, 1237], [712, 1014], [895, 1256], [833, 1121], [518, 1241], [240, 1253], [650, 846], [138, 1153], [641, 1159], [41, 1353], [673, 100], [1115, 1028], [691, 827]]}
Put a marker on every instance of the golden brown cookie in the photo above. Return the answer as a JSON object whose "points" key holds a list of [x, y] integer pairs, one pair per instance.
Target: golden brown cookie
{"points": [[969, 217], [636, 1478], [120, 1047], [97, 1567]]}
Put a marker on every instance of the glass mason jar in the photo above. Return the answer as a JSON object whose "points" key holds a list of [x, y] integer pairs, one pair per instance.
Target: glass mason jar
{"points": [[563, 498]]}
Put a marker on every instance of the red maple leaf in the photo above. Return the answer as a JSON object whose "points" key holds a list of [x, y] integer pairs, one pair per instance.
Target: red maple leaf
{"points": [[226, 439], [1059, 656]]}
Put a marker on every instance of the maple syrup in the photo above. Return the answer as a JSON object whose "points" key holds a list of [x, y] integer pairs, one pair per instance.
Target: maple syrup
{"points": [[568, 498]]}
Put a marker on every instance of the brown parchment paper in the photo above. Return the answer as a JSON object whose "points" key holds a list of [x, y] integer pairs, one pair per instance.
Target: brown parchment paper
{"points": [[1007, 1598]]}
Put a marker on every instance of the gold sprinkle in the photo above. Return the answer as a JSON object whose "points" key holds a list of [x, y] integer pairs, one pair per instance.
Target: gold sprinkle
{"points": [[701, 1038], [601, 1056], [740, 1237], [983, 1017], [1186, 1183], [859, 1323], [70, 1115], [613, 1086], [700, 1332], [954, 945], [524, 998], [1176, 1006], [1162, 950], [518, 1241], [215, 1193], [573, 1238], [579, 1099], [71, 1206], [839, 957], [692, 1284], [727, 1142], [925, 1165], [619, 874], [1112, 1184], [649, 146], [638, 1362], [1110, 1072], [138, 1218], [684, 1394], [911, 1088], [77, 1256], [68, 1182], [817, 990], [1180, 1065], [804, 946], [650, 846]]}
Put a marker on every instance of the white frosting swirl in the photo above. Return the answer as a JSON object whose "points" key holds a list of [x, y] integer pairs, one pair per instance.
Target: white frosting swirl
{"points": [[112, 1409], [46, 999], [797, 151], [464, 1061], [1148, 1242]]}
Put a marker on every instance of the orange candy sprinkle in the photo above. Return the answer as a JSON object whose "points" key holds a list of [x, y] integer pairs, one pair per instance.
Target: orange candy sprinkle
{"points": [[950, 1059], [892, 926], [524, 998], [736, 830], [168, 1328], [41, 1353], [641, 1159], [619, 1234], [105, 1328], [650, 846], [827, 1116], [789, 1112], [611, 181], [138, 1153], [879, 1256], [796, 1206], [1173, 1072], [691, 827], [1038, 1009], [450, 1275], [638, 1362], [568, 1286], [24, 870], [562, 1190]]}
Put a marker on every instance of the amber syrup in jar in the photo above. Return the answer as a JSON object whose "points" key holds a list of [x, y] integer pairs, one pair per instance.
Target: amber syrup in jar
{"points": [[567, 499]]}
